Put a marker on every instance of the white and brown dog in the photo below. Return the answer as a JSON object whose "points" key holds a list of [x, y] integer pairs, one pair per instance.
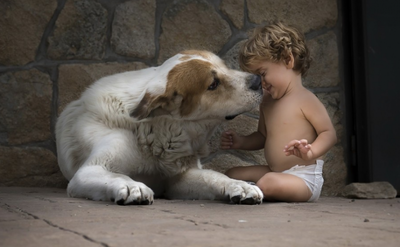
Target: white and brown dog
{"points": [[138, 135]]}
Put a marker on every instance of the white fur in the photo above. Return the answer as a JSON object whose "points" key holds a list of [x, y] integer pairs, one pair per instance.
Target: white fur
{"points": [[108, 154]]}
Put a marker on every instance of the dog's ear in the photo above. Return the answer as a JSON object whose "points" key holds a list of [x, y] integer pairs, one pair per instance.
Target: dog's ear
{"points": [[189, 103], [140, 112], [144, 107], [151, 106]]}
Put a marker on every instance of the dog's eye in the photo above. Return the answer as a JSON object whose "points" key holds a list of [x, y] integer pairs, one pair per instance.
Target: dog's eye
{"points": [[214, 84]]}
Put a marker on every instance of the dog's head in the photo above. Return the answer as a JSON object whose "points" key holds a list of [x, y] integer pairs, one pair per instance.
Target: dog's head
{"points": [[198, 85]]}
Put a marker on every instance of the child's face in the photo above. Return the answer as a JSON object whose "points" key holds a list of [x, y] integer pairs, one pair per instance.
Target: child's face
{"points": [[276, 77]]}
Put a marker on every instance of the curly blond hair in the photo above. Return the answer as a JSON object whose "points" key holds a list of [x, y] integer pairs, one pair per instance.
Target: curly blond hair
{"points": [[276, 43]]}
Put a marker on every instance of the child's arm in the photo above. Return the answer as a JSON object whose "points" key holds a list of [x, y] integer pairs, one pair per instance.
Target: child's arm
{"points": [[317, 115], [231, 140], [255, 141]]}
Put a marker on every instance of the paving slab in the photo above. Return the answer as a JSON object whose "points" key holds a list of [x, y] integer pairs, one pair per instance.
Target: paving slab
{"points": [[48, 217]]}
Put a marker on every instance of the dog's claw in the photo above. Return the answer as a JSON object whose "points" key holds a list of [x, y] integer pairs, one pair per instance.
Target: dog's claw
{"points": [[235, 199], [146, 202], [120, 202]]}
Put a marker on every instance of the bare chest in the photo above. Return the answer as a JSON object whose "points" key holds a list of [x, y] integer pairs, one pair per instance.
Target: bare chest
{"points": [[284, 117], [284, 123]]}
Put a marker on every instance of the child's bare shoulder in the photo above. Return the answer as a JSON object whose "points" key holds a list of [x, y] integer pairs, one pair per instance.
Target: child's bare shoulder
{"points": [[308, 97], [310, 103]]}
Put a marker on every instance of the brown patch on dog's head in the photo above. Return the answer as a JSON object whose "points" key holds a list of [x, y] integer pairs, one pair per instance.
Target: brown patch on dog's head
{"points": [[190, 80]]}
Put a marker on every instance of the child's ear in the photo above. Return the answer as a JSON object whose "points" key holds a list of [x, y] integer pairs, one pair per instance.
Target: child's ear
{"points": [[290, 62]]}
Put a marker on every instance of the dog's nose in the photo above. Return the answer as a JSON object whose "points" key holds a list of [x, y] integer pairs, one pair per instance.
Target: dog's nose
{"points": [[255, 82]]}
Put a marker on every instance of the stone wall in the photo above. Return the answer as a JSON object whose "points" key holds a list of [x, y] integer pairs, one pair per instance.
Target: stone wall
{"points": [[50, 51]]}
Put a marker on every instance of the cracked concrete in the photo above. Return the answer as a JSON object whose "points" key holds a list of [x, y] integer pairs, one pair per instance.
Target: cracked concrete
{"points": [[47, 217]]}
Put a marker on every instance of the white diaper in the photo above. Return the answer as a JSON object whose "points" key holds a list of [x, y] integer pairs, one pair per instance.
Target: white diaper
{"points": [[312, 176]]}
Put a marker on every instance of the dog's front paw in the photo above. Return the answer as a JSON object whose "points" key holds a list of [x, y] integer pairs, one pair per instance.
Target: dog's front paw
{"points": [[132, 193], [243, 193]]}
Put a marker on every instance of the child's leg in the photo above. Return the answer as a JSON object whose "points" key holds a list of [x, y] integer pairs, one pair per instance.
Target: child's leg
{"points": [[283, 187], [248, 173]]}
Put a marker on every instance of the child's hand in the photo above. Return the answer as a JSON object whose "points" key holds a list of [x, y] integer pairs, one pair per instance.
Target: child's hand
{"points": [[229, 140], [300, 149]]}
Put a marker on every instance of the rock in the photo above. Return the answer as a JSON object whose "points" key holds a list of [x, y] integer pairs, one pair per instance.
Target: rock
{"points": [[324, 71], [75, 78], [334, 171], [294, 12], [25, 106], [192, 24], [374, 190], [133, 29], [80, 31], [30, 167], [231, 58], [22, 24], [234, 10]]}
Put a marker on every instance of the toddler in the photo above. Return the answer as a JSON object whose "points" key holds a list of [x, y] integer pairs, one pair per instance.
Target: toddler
{"points": [[294, 127]]}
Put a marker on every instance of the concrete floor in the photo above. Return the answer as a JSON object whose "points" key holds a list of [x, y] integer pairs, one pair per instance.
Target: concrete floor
{"points": [[47, 217]]}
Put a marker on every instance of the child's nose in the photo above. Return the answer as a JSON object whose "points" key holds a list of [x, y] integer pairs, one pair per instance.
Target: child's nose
{"points": [[263, 79], [263, 82]]}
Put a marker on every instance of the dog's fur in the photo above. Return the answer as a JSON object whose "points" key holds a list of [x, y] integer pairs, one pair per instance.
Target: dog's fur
{"points": [[140, 134]]}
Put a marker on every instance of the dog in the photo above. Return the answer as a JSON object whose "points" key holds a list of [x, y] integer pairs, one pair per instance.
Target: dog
{"points": [[138, 135]]}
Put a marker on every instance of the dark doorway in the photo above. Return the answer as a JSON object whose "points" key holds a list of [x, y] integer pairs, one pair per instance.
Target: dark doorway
{"points": [[374, 84]]}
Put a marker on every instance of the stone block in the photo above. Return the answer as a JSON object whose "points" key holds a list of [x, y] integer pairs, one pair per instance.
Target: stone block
{"points": [[29, 167], [133, 29], [306, 14], [25, 106], [334, 171], [75, 78], [192, 24], [231, 58], [22, 24], [374, 190], [234, 9], [80, 31], [324, 70]]}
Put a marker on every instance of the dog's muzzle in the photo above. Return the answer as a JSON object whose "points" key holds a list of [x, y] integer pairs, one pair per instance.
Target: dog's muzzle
{"points": [[255, 83]]}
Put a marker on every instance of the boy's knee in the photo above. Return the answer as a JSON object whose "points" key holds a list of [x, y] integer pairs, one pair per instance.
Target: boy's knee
{"points": [[268, 184], [263, 185]]}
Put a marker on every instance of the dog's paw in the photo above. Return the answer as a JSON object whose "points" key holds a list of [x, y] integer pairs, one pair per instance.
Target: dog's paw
{"points": [[132, 193], [243, 193]]}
